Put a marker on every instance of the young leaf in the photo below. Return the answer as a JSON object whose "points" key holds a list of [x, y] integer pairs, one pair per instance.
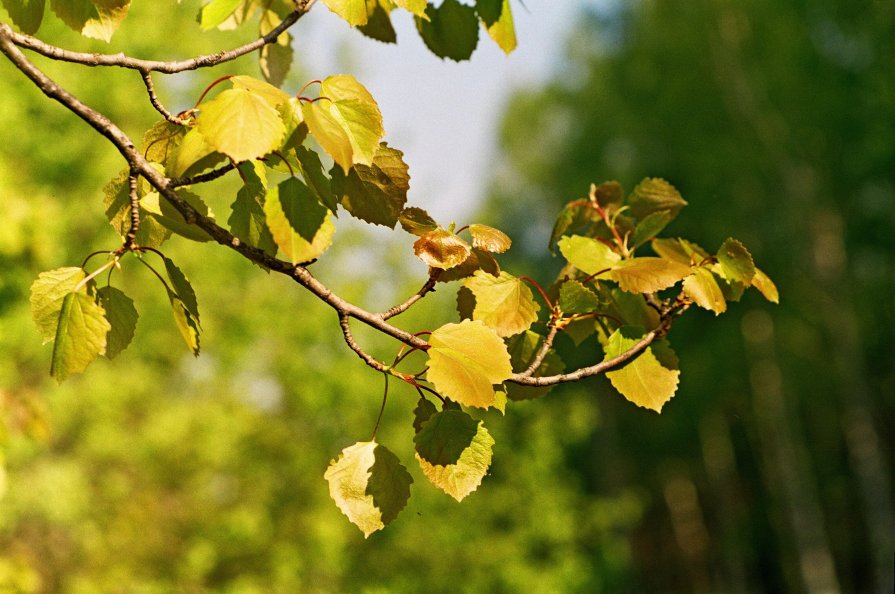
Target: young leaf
{"points": [[648, 275], [766, 286], [80, 335], [186, 323], [451, 30], [417, 221], [170, 218], [703, 289], [588, 255], [736, 262], [609, 194], [441, 249], [651, 378], [374, 193], [489, 239], [26, 14], [575, 298], [183, 288], [649, 227], [47, 294], [497, 17], [504, 303], [369, 485], [352, 11], [654, 195], [241, 124], [216, 12], [122, 317], [465, 361], [281, 211], [454, 452]]}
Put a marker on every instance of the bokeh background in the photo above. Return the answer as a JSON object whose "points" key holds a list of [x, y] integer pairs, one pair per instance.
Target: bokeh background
{"points": [[770, 470]]}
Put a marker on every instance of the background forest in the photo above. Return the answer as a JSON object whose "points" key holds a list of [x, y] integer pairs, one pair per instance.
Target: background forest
{"points": [[770, 470]]}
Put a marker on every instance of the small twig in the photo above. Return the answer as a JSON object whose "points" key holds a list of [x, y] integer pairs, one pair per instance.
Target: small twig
{"points": [[424, 290], [542, 352], [345, 323], [212, 175], [153, 98]]}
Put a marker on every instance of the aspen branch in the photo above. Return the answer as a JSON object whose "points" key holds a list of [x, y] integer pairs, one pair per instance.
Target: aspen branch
{"points": [[153, 99], [542, 352], [424, 290]]}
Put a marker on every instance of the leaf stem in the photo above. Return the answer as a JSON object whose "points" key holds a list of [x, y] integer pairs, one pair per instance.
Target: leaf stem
{"points": [[94, 274], [382, 408], [537, 286]]}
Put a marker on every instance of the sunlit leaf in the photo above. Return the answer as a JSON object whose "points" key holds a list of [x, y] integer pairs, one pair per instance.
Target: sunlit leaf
{"points": [[465, 361], [451, 31], [588, 255], [441, 249], [187, 324], [497, 17], [47, 294], [352, 11], [80, 335], [170, 218], [26, 14], [766, 286], [375, 193], [181, 285], [241, 124], [417, 7], [648, 275], [489, 239], [369, 485], [216, 12], [504, 303], [736, 262], [454, 452], [476, 261], [193, 155], [122, 317], [651, 378], [247, 220], [97, 19], [274, 96], [280, 211], [575, 298], [417, 221], [160, 143], [680, 250], [703, 289]]}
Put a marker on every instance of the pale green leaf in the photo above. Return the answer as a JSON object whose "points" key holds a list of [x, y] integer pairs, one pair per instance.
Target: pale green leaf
{"points": [[648, 275], [489, 239], [369, 485], [476, 261], [575, 298], [241, 124], [417, 221], [352, 11], [454, 452], [497, 18], [465, 361], [703, 289], [766, 286], [441, 249], [375, 193], [272, 95], [192, 156], [329, 132], [504, 303], [47, 294], [122, 317], [216, 12], [654, 195], [588, 255], [290, 241], [80, 335], [351, 107], [651, 378], [26, 14], [451, 31], [736, 262], [186, 323]]}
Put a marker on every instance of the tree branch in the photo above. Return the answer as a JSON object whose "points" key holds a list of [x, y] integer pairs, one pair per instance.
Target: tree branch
{"points": [[221, 171], [153, 98], [424, 290], [345, 323], [123, 61], [542, 353]]}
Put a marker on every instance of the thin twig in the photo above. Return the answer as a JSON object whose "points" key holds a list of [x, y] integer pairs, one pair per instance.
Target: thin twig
{"points": [[130, 241], [542, 352], [153, 98], [381, 408], [212, 175], [424, 290], [345, 323]]}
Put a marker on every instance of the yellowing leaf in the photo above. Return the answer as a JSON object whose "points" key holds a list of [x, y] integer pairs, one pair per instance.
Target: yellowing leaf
{"points": [[97, 19], [352, 11], [417, 221], [47, 294], [504, 303], [375, 193], [651, 378], [766, 286], [187, 324], [588, 255], [192, 156], [280, 211], [466, 360], [454, 452], [497, 17], [160, 143], [355, 109], [736, 262], [80, 335], [648, 275], [369, 485], [417, 7], [441, 249], [241, 124], [275, 97], [489, 239], [703, 289], [170, 218]]}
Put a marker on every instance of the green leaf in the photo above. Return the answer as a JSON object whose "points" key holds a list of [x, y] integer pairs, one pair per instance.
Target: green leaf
{"points": [[302, 209], [80, 335], [186, 323], [314, 175], [489, 239], [375, 193], [766, 286], [633, 309], [465, 361], [417, 221], [345, 121], [451, 31], [651, 378], [588, 255], [423, 411], [441, 249], [609, 194], [296, 247], [379, 22], [703, 289], [654, 195], [47, 294], [648, 275], [369, 485], [216, 12], [241, 124], [504, 303], [170, 218], [465, 303], [160, 143], [649, 227], [276, 59], [736, 262], [193, 156], [247, 220], [97, 19], [122, 317], [575, 298], [118, 209], [183, 288], [26, 14], [454, 452], [573, 217], [352, 11], [497, 17]]}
